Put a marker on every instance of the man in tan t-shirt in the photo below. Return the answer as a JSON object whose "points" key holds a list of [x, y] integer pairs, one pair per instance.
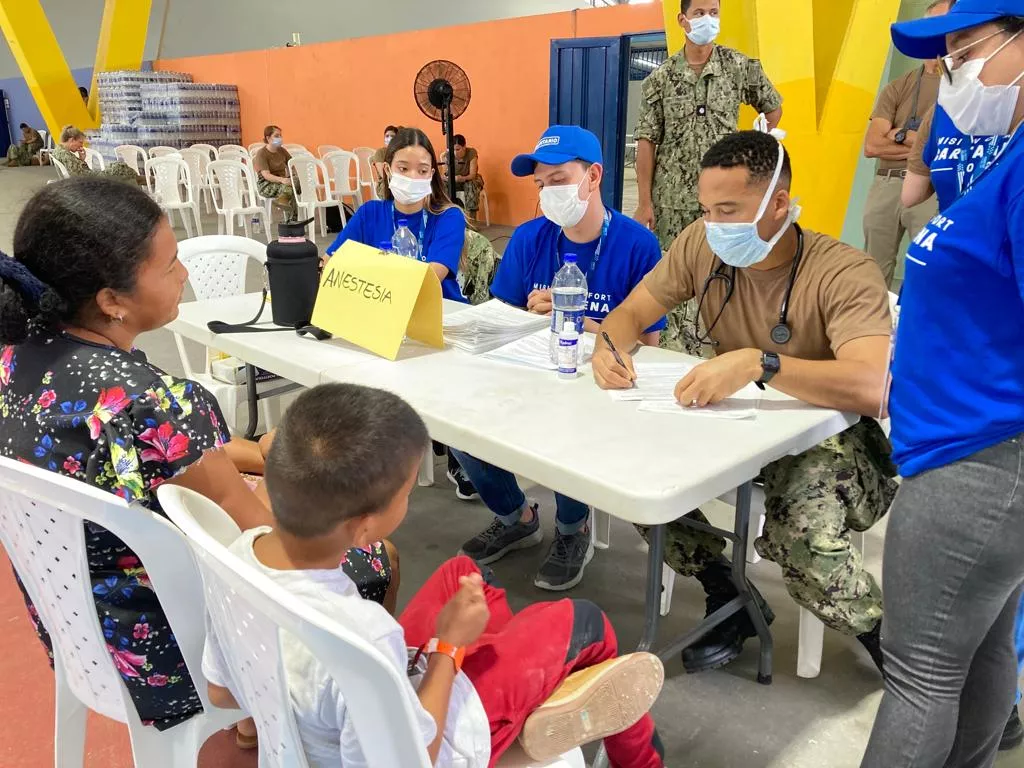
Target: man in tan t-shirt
{"points": [[901, 106], [838, 327]]}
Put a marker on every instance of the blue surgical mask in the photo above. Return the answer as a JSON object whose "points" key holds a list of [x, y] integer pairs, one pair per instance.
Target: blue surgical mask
{"points": [[277, 141], [704, 30], [741, 245]]}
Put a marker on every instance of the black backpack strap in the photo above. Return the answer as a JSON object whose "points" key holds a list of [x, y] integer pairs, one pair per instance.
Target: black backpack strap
{"points": [[218, 326]]}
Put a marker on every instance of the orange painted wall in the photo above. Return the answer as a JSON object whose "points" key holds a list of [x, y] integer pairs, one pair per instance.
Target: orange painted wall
{"points": [[345, 92]]}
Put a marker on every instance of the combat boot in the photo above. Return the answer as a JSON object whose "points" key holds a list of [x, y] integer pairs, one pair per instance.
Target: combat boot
{"points": [[725, 642]]}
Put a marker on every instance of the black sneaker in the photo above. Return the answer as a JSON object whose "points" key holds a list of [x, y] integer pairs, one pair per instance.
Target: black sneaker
{"points": [[872, 641], [498, 539], [464, 489], [1013, 733], [563, 567]]}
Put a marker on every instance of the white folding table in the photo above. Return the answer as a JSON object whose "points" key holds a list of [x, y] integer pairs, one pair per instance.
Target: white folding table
{"points": [[646, 468]]}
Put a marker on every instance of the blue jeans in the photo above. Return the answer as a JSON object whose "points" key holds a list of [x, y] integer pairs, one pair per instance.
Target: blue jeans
{"points": [[1018, 634], [501, 493]]}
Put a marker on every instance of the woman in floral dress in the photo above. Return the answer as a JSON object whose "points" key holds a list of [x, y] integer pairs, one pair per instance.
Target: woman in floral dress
{"points": [[95, 264]]}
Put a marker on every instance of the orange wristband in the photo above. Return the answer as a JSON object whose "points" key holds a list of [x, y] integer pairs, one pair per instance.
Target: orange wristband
{"points": [[455, 653]]}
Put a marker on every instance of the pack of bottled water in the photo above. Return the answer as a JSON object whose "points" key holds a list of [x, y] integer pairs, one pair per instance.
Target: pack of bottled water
{"points": [[164, 109]]}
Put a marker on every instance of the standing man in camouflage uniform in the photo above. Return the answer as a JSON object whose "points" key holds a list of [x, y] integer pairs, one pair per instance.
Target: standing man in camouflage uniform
{"points": [[689, 103], [829, 347]]}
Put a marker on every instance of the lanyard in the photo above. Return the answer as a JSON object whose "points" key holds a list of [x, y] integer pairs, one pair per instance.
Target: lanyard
{"points": [[423, 230], [600, 242], [917, 100]]}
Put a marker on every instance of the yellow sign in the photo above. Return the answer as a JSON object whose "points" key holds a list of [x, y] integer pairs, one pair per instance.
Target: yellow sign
{"points": [[375, 299]]}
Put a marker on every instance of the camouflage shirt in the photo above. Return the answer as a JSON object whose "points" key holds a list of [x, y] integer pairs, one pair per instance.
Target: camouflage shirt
{"points": [[684, 113]]}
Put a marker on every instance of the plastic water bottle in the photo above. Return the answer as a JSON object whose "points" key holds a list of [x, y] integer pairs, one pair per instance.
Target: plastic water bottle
{"points": [[569, 299], [256, 228], [403, 242], [384, 246], [568, 351]]}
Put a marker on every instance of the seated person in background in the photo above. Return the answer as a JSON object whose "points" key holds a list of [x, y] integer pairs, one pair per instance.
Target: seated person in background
{"points": [[744, 261], [615, 253], [272, 179], [84, 93], [95, 264], [378, 161], [71, 153], [333, 487], [467, 177], [24, 152], [415, 195]]}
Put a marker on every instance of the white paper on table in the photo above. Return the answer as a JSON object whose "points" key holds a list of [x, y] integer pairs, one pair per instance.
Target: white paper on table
{"points": [[490, 325], [654, 381], [532, 351], [730, 408]]}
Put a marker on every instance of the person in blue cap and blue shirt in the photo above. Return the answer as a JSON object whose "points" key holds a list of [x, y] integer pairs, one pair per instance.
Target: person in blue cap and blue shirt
{"points": [[953, 564], [614, 252]]}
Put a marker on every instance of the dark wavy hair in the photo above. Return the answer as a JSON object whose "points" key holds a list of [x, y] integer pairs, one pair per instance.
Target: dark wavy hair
{"points": [[414, 137], [757, 152], [75, 238]]}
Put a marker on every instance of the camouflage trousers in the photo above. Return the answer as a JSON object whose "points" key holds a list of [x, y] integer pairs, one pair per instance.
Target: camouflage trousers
{"points": [[679, 334], [477, 266], [812, 502], [283, 196], [121, 172], [471, 189], [669, 222], [22, 154]]}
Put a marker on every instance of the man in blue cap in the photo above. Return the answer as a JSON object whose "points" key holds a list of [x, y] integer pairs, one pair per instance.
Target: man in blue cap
{"points": [[953, 568], [614, 252]]}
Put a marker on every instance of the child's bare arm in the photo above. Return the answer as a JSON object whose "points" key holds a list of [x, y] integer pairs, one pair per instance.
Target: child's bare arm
{"points": [[434, 693]]}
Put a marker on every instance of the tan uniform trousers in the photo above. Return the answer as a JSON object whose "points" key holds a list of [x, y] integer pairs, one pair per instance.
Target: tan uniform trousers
{"points": [[886, 221]]}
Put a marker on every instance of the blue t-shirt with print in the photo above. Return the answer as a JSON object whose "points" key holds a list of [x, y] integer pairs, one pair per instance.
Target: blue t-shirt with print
{"points": [[958, 370], [535, 253], [375, 222], [956, 160]]}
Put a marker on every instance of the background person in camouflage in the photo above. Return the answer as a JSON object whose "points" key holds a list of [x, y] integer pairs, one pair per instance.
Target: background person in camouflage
{"points": [[71, 154], [689, 103], [836, 357], [25, 151], [379, 159], [273, 179], [467, 177]]}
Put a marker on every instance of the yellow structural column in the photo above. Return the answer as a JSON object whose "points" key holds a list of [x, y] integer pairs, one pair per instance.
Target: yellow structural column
{"points": [[826, 57], [122, 41], [42, 64]]}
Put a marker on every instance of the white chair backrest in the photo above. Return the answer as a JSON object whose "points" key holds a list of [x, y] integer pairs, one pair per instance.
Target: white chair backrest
{"points": [[209, 149], [364, 154], [229, 146], [256, 146], [311, 175], [166, 177], [217, 264], [132, 156], [344, 170], [94, 160], [62, 170], [197, 161], [232, 152], [236, 183], [41, 515], [249, 610], [297, 149], [323, 149], [162, 152]]}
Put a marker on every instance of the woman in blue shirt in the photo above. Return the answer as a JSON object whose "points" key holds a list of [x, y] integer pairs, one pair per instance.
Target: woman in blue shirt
{"points": [[953, 564], [415, 194]]}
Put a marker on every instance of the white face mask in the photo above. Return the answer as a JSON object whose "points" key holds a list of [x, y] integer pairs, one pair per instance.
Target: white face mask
{"points": [[408, 191], [387, 140], [977, 109], [704, 30], [562, 204]]}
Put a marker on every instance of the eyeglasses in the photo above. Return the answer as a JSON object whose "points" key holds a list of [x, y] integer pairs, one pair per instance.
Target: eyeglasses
{"points": [[948, 64]]}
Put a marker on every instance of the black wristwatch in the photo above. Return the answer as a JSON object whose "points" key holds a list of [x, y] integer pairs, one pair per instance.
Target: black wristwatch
{"points": [[901, 136], [770, 365]]}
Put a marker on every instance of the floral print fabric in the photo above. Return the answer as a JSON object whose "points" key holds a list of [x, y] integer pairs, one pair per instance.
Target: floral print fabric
{"points": [[112, 420]]}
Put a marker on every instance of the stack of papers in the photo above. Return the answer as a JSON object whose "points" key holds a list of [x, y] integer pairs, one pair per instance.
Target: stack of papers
{"points": [[654, 390], [532, 351], [490, 325]]}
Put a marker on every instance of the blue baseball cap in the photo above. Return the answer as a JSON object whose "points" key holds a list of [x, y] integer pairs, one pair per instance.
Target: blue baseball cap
{"points": [[926, 38], [560, 144]]}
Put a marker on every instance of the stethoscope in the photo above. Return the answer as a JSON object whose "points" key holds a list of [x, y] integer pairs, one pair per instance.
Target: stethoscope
{"points": [[781, 333]]}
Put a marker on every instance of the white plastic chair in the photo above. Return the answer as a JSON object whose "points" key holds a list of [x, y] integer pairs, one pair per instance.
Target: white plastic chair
{"points": [[209, 149], [255, 147], [132, 156], [198, 161], [47, 145], [41, 515], [237, 187], [95, 160], [167, 177], [323, 149], [232, 152], [162, 152], [248, 611], [483, 201], [310, 183], [62, 171], [217, 266], [343, 170], [297, 149], [228, 147], [367, 186]]}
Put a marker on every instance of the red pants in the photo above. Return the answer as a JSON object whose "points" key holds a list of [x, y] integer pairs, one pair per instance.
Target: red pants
{"points": [[520, 660]]}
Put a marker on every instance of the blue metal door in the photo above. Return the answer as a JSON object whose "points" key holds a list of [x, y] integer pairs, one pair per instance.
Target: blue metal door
{"points": [[588, 88]]}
